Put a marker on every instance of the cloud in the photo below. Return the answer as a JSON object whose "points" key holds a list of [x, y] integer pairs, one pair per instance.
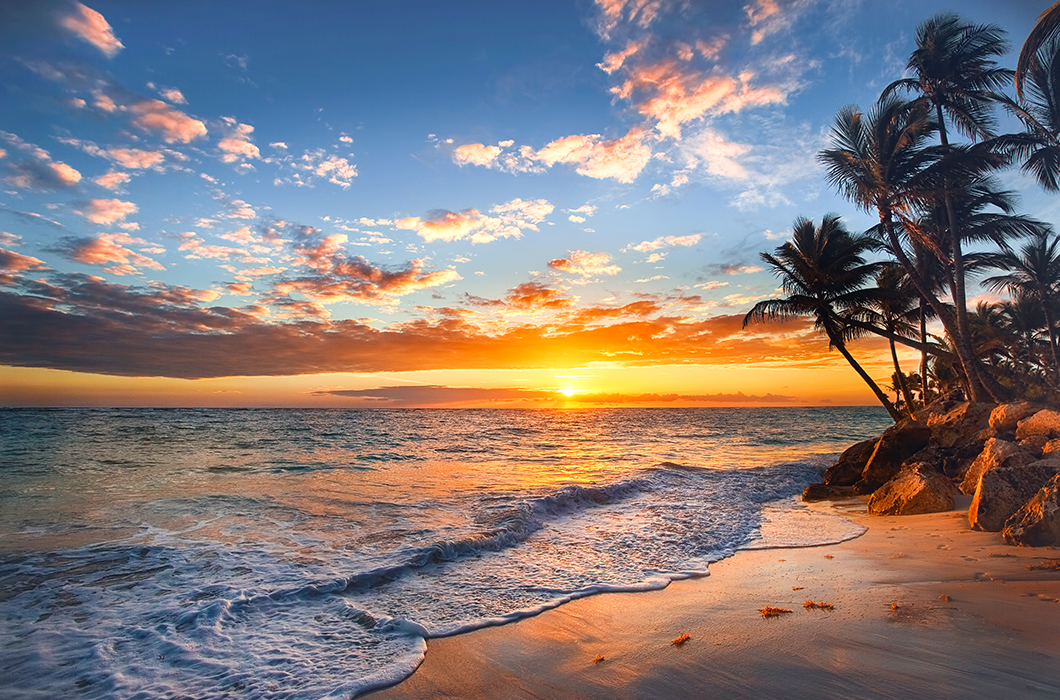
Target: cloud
{"points": [[135, 158], [107, 248], [584, 263], [41, 175], [173, 95], [84, 324], [713, 284], [172, 124], [436, 395], [621, 159], [92, 27], [533, 296], [38, 171], [107, 211], [11, 261], [664, 241], [672, 94], [476, 154], [510, 220], [236, 144], [112, 181]]}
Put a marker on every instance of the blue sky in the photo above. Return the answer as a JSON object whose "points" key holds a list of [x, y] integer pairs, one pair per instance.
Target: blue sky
{"points": [[363, 191]]}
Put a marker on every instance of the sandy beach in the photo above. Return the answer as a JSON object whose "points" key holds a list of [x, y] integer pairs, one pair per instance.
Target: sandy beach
{"points": [[924, 608]]}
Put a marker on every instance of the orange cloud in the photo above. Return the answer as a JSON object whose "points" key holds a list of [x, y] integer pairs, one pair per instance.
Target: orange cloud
{"points": [[108, 248], [621, 159], [134, 157], [236, 145], [11, 261], [107, 211], [510, 220], [112, 181], [582, 262], [174, 125], [93, 28]]}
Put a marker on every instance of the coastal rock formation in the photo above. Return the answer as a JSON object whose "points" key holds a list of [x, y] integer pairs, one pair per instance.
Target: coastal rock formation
{"points": [[1037, 523], [996, 453], [824, 492], [895, 446], [1043, 423], [847, 471], [1004, 418], [1051, 446], [1035, 444], [961, 424], [916, 489], [1003, 491]]}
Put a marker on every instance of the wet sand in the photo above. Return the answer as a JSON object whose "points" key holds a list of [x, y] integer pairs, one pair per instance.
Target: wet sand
{"points": [[924, 608]]}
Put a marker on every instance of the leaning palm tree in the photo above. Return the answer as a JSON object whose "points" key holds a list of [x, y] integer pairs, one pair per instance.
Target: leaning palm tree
{"points": [[894, 307], [1034, 274], [1047, 27], [823, 272], [954, 71], [879, 162]]}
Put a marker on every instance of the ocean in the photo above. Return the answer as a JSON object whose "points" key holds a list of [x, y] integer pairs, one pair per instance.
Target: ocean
{"points": [[215, 553]]}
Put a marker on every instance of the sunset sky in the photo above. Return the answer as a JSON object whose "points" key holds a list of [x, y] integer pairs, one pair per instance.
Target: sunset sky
{"points": [[381, 203]]}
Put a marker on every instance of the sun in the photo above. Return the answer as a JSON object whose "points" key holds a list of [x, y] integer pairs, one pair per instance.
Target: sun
{"points": [[568, 391]]}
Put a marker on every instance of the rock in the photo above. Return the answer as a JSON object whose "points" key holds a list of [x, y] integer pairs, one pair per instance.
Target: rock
{"points": [[825, 492], [1045, 422], [1035, 444], [1003, 491], [847, 471], [897, 444], [1037, 523], [1005, 417], [996, 454], [1051, 446], [916, 489], [961, 424]]}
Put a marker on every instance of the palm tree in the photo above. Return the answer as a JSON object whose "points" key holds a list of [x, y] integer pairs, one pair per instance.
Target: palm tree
{"points": [[878, 162], [1034, 274], [1047, 28], [823, 273], [894, 307], [1039, 110], [955, 73]]}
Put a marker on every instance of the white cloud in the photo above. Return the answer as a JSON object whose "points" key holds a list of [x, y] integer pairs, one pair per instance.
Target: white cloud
{"points": [[509, 220], [92, 27]]}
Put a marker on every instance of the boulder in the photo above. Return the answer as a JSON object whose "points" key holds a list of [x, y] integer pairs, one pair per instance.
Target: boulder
{"points": [[1051, 446], [1034, 444], [960, 424], [825, 492], [1043, 423], [897, 444], [996, 453], [1003, 491], [1005, 417], [1037, 523], [916, 489], [847, 471]]}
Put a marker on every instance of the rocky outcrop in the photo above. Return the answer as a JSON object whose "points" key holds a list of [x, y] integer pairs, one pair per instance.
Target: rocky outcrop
{"points": [[916, 489], [1004, 418], [1037, 523], [996, 453], [1051, 446], [960, 425], [1003, 491], [847, 471], [1045, 423], [895, 446], [824, 492]]}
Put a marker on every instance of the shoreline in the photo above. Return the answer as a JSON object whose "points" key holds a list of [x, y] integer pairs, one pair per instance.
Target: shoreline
{"points": [[998, 631]]}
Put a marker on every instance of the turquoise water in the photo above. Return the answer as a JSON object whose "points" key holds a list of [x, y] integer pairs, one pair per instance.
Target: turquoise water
{"points": [[309, 553]]}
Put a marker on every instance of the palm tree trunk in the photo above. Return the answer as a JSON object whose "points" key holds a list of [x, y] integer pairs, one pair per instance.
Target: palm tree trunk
{"points": [[1052, 339], [978, 387], [903, 385], [841, 346], [923, 355]]}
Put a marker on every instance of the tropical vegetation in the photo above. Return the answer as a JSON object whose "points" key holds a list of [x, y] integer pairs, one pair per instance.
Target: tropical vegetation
{"points": [[925, 160]]}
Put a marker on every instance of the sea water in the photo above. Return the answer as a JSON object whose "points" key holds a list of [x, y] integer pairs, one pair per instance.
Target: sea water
{"points": [[311, 553]]}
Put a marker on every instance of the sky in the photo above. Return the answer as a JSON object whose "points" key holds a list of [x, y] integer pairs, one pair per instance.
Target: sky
{"points": [[393, 204]]}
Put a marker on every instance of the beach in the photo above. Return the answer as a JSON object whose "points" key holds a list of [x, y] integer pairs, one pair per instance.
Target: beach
{"points": [[924, 607]]}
